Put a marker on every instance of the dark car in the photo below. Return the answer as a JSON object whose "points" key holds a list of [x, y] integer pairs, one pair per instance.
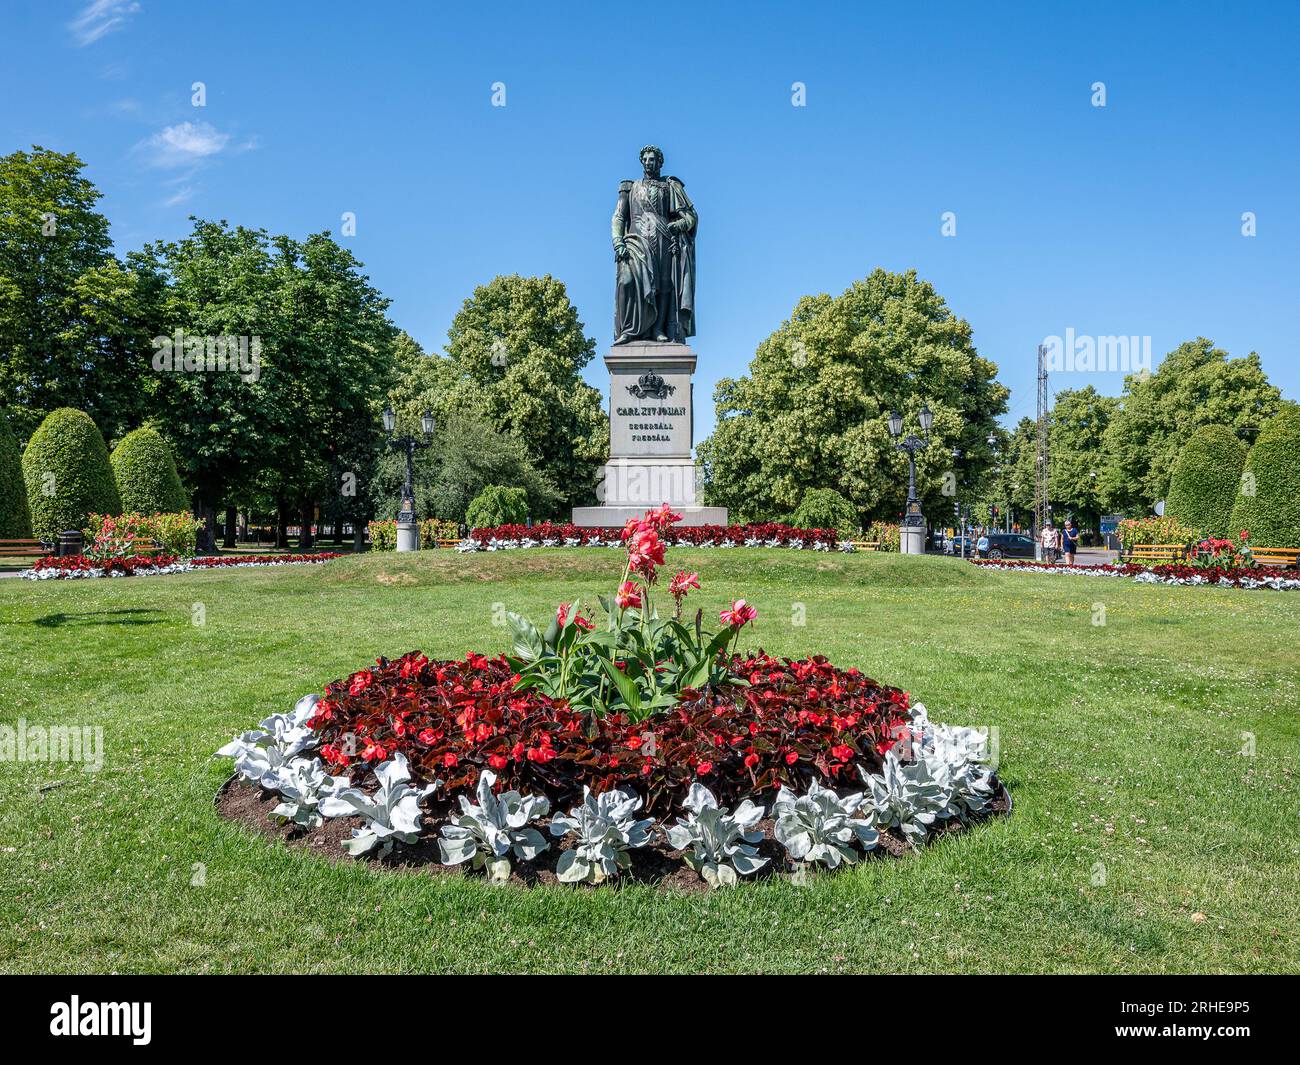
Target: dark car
{"points": [[1006, 545]]}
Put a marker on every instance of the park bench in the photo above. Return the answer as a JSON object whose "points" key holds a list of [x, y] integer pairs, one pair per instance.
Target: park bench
{"points": [[1155, 553], [24, 548], [1286, 557]]}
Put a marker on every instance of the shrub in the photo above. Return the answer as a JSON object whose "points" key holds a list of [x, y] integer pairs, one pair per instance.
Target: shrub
{"points": [[15, 518], [497, 505], [825, 508], [1205, 480], [1166, 530], [771, 533], [1272, 513], [111, 536], [383, 534], [67, 474], [146, 474], [884, 533]]}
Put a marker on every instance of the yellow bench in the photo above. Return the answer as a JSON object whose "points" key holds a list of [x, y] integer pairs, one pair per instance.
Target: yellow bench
{"points": [[1286, 557], [1155, 553], [866, 545]]}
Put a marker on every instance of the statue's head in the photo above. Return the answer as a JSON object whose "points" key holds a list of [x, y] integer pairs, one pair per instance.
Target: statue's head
{"points": [[652, 160]]}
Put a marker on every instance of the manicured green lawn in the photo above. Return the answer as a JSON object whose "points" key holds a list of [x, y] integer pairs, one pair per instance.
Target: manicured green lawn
{"points": [[1122, 744]]}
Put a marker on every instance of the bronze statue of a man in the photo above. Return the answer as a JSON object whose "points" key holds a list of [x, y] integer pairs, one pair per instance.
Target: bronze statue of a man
{"points": [[654, 253]]}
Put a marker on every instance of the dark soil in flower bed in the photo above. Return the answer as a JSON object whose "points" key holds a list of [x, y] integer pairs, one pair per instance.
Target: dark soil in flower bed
{"points": [[245, 803]]}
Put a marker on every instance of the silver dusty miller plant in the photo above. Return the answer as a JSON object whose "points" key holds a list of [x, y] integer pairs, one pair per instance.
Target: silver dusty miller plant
{"points": [[487, 832], [303, 785], [391, 815], [820, 827], [606, 831], [261, 754], [718, 845], [905, 797]]}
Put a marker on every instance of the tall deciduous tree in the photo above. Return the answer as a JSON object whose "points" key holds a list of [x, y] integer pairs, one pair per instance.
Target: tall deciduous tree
{"points": [[813, 412], [518, 350], [1196, 384], [74, 322]]}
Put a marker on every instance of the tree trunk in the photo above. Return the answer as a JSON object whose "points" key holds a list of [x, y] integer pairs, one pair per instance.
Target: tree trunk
{"points": [[305, 541], [358, 537], [229, 539], [281, 524]]}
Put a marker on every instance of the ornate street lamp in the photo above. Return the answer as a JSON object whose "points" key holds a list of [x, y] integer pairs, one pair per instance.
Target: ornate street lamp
{"points": [[912, 538], [408, 532]]}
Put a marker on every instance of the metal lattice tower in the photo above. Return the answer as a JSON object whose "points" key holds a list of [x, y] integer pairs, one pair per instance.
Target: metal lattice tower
{"points": [[1040, 459]]}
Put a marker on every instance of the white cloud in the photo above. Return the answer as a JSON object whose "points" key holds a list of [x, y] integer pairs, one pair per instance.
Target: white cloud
{"points": [[186, 144], [100, 17], [179, 196]]}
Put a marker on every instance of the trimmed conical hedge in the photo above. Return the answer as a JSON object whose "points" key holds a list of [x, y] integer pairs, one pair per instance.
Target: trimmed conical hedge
{"points": [[1205, 481], [67, 474], [15, 518], [146, 474], [1272, 513]]}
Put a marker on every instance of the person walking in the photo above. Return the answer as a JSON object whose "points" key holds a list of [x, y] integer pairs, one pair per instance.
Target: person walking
{"points": [[1049, 542], [1070, 541]]}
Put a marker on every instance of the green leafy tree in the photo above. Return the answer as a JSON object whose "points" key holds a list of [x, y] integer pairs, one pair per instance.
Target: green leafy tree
{"points": [[15, 516], [825, 508], [813, 412], [497, 505], [518, 350], [74, 322], [467, 455], [146, 476], [1205, 480], [1077, 429], [67, 474], [1268, 502], [1196, 384]]}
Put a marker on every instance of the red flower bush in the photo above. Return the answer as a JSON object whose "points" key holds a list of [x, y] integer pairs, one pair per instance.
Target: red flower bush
{"points": [[128, 565], [217, 561], [670, 535], [789, 723]]}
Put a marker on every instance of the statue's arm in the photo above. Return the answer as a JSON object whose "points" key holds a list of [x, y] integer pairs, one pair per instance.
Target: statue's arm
{"points": [[618, 225], [685, 219]]}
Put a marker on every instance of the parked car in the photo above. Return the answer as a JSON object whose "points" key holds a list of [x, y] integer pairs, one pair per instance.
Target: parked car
{"points": [[1006, 545], [952, 545]]}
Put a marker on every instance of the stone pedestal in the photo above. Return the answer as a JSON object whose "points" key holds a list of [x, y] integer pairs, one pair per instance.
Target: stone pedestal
{"points": [[408, 536], [651, 437], [911, 539]]}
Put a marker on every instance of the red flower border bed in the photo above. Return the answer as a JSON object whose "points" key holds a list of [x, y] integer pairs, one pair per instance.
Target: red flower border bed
{"points": [[795, 721], [216, 561], [685, 535], [1181, 571], [81, 564], [132, 563]]}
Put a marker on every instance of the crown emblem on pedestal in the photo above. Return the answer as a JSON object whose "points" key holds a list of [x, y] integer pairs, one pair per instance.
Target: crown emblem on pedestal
{"points": [[651, 386]]}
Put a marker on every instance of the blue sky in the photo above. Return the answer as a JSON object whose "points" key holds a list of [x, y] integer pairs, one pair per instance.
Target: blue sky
{"points": [[1117, 220]]}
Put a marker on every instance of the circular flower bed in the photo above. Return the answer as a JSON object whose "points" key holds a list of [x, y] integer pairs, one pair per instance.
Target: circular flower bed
{"points": [[71, 567], [609, 732]]}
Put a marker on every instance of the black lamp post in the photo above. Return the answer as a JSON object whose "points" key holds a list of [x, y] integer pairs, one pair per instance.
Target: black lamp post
{"points": [[912, 443], [410, 445]]}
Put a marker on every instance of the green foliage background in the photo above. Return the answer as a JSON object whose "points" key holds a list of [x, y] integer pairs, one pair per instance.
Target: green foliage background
{"points": [[15, 517], [1205, 480], [1272, 514], [146, 474], [68, 445], [497, 505]]}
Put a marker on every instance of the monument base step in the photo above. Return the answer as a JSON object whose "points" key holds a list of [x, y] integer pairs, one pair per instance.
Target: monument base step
{"points": [[616, 517]]}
